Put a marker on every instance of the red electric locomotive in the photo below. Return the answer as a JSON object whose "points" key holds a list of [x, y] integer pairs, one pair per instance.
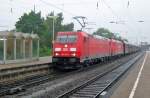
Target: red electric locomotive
{"points": [[76, 49], [117, 48]]}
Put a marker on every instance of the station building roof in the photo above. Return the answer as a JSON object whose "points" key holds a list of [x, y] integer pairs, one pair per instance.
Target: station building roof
{"points": [[18, 35]]}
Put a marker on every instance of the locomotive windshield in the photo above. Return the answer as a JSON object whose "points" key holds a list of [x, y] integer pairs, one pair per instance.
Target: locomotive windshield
{"points": [[66, 38]]}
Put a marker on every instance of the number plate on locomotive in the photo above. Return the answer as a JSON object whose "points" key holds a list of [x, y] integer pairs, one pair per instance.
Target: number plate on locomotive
{"points": [[65, 49]]}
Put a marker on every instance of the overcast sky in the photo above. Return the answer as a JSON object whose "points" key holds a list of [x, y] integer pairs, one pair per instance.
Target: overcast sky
{"points": [[126, 13]]}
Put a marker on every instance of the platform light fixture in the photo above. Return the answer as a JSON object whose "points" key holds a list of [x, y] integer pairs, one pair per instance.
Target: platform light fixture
{"points": [[54, 19], [2, 39]]}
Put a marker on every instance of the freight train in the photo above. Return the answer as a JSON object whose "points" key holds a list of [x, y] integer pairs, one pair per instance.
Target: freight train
{"points": [[73, 50]]}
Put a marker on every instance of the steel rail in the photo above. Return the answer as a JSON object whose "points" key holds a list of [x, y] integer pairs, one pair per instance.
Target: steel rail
{"points": [[95, 86], [21, 67], [23, 85]]}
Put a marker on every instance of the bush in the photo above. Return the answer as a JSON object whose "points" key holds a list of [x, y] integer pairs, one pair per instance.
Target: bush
{"points": [[45, 51]]}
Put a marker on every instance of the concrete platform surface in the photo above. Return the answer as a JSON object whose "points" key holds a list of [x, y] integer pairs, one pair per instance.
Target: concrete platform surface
{"points": [[41, 60], [137, 83]]}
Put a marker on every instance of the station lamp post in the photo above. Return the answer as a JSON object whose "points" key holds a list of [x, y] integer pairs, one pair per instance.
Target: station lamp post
{"points": [[53, 38], [54, 18]]}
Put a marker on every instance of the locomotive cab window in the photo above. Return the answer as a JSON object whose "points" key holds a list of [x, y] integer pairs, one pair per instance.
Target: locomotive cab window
{"points": [[72, 38], [66, 39]]}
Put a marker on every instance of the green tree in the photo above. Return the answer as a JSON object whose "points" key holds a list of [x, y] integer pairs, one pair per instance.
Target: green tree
{"points": [[104, 32], [59, 26], [108, 34], [125, 40], [32, 22], [68, 27]]}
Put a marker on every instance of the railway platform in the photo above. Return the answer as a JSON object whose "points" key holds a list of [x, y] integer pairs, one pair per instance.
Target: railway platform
{"points": [[42, 60], [136, 83]]}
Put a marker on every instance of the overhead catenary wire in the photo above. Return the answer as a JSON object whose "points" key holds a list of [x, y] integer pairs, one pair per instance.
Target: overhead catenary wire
{"points": [[76, 3], [71, 13], [117, 16], [113, 12], [54, 6], [62, 9], [128, 4], [132, 20], [135, 28], [98, 8]]}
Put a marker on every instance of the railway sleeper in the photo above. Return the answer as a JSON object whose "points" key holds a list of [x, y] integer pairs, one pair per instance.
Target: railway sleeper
{"points": [[15, 90], [22, 76]]}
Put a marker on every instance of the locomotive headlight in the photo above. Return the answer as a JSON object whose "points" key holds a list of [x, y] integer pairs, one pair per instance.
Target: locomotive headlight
{"points": [[56, 54], [66, 46], [57, 49], [74, 54], [73, 49]]}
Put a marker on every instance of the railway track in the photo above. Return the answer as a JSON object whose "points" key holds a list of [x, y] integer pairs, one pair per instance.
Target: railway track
{"points": [[36, 80], [21, 85], [12, 86], [10, 75], [68, 76], [97, 87]]}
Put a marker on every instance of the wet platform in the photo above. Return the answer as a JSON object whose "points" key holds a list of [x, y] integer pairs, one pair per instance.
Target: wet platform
{"points": [[137, 82], [41, 60]]}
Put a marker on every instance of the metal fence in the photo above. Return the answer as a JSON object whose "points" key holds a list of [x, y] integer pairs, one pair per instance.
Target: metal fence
{"points": [[18, 47]]}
